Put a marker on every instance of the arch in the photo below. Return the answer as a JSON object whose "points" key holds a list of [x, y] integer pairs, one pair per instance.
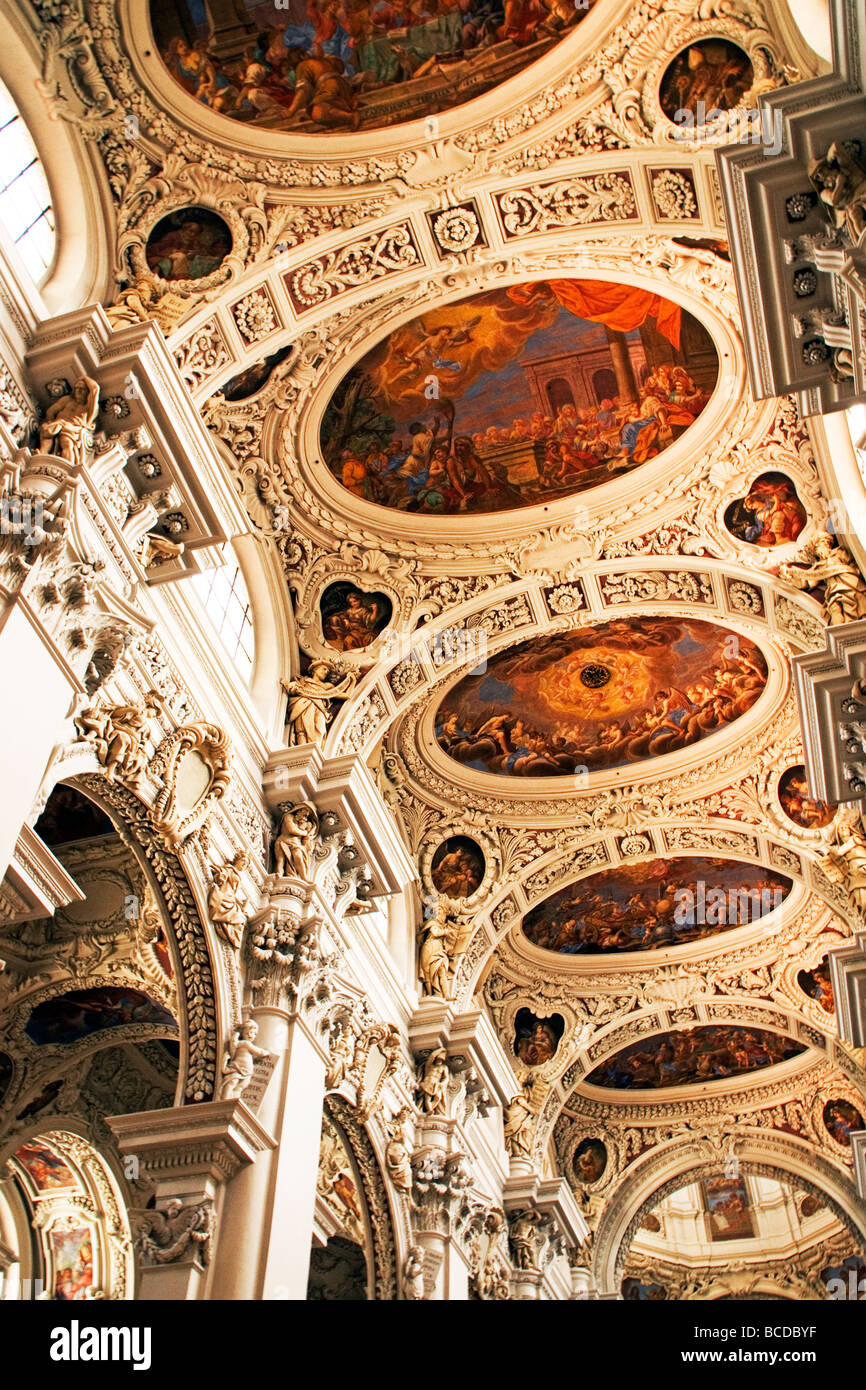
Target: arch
{"points": [[659, 1175], [375, 1191]]}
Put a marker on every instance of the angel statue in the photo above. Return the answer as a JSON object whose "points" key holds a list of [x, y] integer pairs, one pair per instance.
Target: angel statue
{"points": [[309, 699], [845, 862], [239, 1069], [296, 839], [832, 566], [444, 943], [67, 430], [164, 1236]]}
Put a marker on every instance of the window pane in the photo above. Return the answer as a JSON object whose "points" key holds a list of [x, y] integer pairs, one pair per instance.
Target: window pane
{"points": [[25, 199]]}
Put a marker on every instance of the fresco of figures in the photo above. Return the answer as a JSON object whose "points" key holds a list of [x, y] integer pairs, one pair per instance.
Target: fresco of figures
{"points": [[348, 65], [46, 1169], [842, 1120], [351, 618], [633, 1291], [818, 985], [536, 1039], [713, 71], [590, 1160], [73, 1263], [254, 377], [600, 697], [770, 514], [518, 396], [69, 1017], [798, 805], [711, 1052], [188, 244], [727, 1204], [662, 902], [457, 868]]}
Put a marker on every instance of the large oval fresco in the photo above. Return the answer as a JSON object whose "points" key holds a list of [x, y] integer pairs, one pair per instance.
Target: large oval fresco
{"points": [[713, 1052], [600, 697], [518, 396], [663, 902], [349, 65]]}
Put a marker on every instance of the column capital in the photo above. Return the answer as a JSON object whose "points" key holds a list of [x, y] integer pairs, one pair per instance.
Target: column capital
{"points": [[192, 1145]]}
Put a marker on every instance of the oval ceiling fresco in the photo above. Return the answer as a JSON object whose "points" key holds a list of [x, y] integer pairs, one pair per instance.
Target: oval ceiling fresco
{"points": [[712, 1052], [518, 396], [601, 697], [663, 902], [349, 65]]}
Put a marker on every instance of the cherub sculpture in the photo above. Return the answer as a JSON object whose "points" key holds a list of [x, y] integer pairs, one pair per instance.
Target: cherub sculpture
{"points": [[164, 1236], [239, 1069], [295, 842]]}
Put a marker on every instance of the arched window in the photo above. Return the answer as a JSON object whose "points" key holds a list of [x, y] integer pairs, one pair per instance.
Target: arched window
{"points": [[224, 595], [25, 201]]}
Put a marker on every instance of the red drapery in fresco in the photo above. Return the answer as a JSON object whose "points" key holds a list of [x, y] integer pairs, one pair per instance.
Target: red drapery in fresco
{"points": [[620, 307]]}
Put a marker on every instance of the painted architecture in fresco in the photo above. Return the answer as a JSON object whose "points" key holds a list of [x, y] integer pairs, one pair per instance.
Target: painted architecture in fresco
{"points": [[600, 697], [353, 64], [662, 902], [518, 396], [770, 514], [711, 1052]]}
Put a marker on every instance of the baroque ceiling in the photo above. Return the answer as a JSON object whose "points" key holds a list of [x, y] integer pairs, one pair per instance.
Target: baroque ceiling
{"points": [[451, 288]]}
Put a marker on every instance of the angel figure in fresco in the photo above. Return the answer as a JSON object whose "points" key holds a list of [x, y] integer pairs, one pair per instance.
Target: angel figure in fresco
{"points": [[430, 352], [832, 566], [240, 1066], [67, 430], [845, 862], [309, 699], [164, 1236]]}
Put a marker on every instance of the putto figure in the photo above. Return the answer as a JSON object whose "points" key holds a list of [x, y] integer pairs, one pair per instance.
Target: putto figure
{"points": [[296, 839], [241, 1065], [67, 430]]}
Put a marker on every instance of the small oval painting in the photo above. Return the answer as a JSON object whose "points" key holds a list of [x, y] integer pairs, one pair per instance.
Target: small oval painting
{"points": [[842, 1120], [712, 1052], [69, 1017], [770, 514], [351, 618], [798, 805], [458, 867], [315, 66], [600, 697], [518, 396], [707, 78], [537, 1039], [188, 244], [590, 1160], [818, 985], [646, 906]]}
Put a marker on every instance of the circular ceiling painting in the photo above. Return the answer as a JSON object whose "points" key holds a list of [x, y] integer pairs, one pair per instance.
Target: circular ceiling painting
{"points": [[713, 1052], [707, 78], [663, 902], [670, 683], [518, 396], [350, 65]]}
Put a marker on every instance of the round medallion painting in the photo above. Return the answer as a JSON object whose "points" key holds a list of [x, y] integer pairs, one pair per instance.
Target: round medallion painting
{"points": [[541, 709], [518, 396], [537, 1039], [842, 1120], [798, 805], [712, 1052], [590, 1160], [347, 65], [707, 78], [457, 868], [662, 902], [188, 244], [770, 514]]}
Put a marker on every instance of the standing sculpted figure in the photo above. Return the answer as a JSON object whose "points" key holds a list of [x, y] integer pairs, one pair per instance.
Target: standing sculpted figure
{"points": [[295, 842], [434, 963], [67, 429], [309, 698], [239, 1069], [845, 863], [840, 181], [832, 566], [433, 1085], [120, 733], [519, 1128], [226, 902], [413, 1274], [398, 1151]]}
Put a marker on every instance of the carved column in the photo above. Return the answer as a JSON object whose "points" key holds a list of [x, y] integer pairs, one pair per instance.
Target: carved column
{"points": [[269, 1209], [187, 1154]]}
